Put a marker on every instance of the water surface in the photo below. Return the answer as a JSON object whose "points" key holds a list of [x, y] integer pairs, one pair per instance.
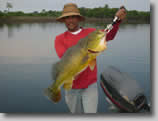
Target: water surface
{"points": [[27, 53]]}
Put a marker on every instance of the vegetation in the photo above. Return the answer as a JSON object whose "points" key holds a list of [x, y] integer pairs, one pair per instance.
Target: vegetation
{"points": [[9, 6], [91, 13], [49, 13], [106, 12]]}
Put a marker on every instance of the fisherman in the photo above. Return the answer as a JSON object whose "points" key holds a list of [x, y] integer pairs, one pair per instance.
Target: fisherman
{"points": [[83, 97]]}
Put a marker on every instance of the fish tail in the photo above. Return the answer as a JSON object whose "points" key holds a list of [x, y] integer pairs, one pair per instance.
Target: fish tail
{"points": [[53, 94]]}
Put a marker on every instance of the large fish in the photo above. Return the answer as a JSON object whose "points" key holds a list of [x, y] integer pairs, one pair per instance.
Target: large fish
{"points": [[75, 60]]}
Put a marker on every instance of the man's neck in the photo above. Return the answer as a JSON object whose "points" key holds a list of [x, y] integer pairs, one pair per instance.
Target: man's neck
{"points": [[76, 32]]}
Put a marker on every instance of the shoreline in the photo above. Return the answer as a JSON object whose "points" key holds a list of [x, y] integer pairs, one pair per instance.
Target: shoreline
{"points": [[38, 19]]}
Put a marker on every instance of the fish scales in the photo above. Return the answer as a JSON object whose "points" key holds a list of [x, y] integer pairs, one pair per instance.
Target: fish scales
{"points": [[75, 60]]}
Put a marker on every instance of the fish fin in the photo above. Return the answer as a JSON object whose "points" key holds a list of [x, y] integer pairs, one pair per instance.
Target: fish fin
{"points": [[68, 84], [53, 94], [92, 64], [92, 55], [54, 70]]}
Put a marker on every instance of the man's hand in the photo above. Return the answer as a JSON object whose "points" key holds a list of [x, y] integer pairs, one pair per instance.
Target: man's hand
{"points": [[121, 13]]}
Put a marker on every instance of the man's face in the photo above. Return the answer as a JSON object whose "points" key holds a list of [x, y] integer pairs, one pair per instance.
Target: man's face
{"points": [[72, 23]]}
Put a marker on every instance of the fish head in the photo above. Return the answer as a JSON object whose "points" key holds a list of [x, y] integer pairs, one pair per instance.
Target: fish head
{"points": [[96, 41]]}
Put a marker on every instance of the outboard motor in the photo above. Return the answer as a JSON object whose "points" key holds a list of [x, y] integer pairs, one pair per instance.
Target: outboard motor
{"points": [[123, 91]]}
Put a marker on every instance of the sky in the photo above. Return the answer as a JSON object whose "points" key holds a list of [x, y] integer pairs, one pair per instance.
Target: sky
{"points": [[38, 5]]}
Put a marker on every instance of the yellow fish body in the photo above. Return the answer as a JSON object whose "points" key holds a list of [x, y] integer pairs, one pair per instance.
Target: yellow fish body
{"points": [[75, 60]]}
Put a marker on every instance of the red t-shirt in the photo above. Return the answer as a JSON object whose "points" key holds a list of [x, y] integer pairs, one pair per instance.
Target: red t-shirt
{"points": [[67, 40]]}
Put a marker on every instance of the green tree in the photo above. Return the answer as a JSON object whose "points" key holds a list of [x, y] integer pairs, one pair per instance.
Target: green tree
{"points": [[43, 11], [9, 6], [106, 6]]}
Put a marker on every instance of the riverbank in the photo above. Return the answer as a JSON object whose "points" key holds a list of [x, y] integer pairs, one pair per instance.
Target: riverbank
{"points": [[39, 19]]}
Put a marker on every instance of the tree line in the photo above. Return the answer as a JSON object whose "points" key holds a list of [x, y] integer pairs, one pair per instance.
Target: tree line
{"points": [[101, 12]]}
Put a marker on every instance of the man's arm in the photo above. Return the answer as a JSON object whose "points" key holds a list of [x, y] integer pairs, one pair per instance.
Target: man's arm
{"points": [[112, 33], [121, 14]]}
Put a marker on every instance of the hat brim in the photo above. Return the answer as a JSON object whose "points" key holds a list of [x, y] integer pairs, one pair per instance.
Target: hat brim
{"points": [[61, 18]]}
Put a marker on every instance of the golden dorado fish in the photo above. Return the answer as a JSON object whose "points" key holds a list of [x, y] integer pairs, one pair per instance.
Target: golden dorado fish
{"points": [[75, 60]]}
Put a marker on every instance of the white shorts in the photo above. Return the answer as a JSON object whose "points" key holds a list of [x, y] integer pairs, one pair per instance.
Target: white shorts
{"points": [[82, 100]]}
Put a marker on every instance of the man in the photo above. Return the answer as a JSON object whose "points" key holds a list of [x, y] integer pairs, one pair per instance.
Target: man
{"points": [[83, 97]]}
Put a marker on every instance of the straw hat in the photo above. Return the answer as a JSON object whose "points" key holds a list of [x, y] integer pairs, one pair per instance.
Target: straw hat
{"points": [[70, 9]]}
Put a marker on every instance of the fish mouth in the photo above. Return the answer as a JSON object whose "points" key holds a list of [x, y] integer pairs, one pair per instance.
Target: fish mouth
{"points": [[92, 51]]}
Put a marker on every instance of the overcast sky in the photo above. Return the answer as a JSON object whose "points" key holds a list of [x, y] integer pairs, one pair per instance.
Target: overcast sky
{"points": [[38, 5]]}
